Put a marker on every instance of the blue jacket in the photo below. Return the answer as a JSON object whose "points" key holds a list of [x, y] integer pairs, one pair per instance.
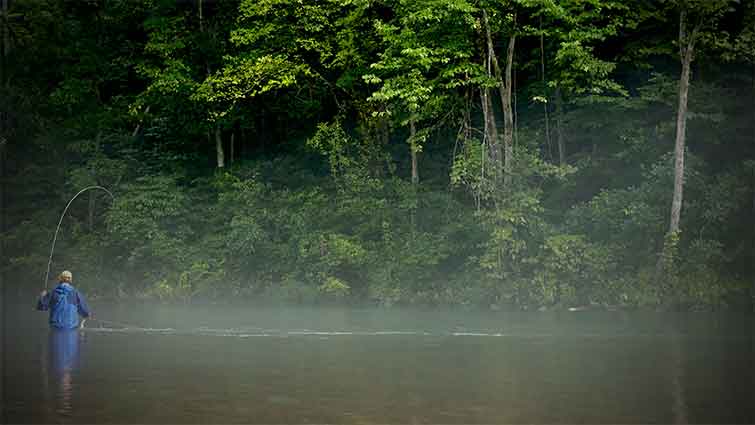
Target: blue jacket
{"points": [[65, 304]]}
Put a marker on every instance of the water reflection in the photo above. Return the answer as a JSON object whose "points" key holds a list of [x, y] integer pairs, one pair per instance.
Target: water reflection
{"points": [[62, 364], [679, 405], [327, 366]]}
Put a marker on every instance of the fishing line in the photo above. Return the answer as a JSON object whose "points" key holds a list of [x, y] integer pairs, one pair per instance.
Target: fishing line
{"points": [[125, 325], [55, 238]]}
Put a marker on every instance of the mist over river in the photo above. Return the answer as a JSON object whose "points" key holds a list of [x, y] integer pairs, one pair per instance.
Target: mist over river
{"points": [[220, 364]]}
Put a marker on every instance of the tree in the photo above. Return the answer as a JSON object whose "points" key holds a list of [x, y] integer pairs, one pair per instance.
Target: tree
{"points": [[421, 61], [502, 160], [145, 97], [575, 30], [185, 43], [695, 18]]}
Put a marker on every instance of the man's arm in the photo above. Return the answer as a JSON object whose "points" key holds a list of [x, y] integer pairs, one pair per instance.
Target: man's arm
{"points": [[43, 303], [82, 305]]}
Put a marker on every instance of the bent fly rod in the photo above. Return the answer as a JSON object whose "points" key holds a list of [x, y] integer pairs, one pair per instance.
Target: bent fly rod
{"points": [[55, 238]]}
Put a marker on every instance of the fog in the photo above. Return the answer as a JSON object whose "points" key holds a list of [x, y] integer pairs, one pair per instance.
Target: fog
{"points": [[152, 363]]}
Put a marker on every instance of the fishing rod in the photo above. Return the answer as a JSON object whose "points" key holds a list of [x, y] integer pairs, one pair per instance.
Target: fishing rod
{"points": [[55, 238]]}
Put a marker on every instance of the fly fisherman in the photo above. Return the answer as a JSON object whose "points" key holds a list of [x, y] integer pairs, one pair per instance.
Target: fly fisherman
{"points": [[65, 304]]}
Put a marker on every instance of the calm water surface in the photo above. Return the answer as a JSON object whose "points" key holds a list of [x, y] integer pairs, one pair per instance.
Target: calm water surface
{"points": [[252, 365]]}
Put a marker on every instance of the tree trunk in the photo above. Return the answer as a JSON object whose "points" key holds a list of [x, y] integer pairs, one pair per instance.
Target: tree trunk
{"points": [[686, 50], [545, 94], [752, 240], [413, 149], [5, 40], [504, 90], [139, 124], [508, 116], [233, 140], [219, 147], [467, 117], [3, 142], [491, 134], [559, 131], [467, 136], [4, 79], [514, 111], [220, 154], [687, 47], [201, 20]]}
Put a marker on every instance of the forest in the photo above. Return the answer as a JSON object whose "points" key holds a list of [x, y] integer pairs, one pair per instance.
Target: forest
{"points": [[495, 154]]}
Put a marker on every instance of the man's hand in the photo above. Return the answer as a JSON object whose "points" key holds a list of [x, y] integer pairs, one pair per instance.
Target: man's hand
{"points": [[43, 293]]}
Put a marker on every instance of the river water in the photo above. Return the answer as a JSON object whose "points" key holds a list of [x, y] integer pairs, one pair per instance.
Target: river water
{"points": [[220, 364]]}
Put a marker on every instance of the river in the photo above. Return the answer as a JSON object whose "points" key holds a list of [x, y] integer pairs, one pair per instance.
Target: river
{"points": [[232, 364]]}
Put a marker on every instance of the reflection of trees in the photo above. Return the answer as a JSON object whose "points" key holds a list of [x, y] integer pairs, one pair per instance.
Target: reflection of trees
{"points": [[679, 403]]}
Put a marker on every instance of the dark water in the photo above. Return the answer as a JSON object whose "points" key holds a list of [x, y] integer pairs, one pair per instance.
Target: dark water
{"points": [[250, 365]]}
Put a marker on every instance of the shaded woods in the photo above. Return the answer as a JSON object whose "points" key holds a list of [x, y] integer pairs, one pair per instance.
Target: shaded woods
{"points": [[493, 153]]}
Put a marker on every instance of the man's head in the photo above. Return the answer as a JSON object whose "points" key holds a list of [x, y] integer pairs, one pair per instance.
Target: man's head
{"points": [[66, 276]]}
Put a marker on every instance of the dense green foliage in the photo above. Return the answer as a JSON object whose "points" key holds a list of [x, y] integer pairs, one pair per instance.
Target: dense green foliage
{"points": [[338, 151]]}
